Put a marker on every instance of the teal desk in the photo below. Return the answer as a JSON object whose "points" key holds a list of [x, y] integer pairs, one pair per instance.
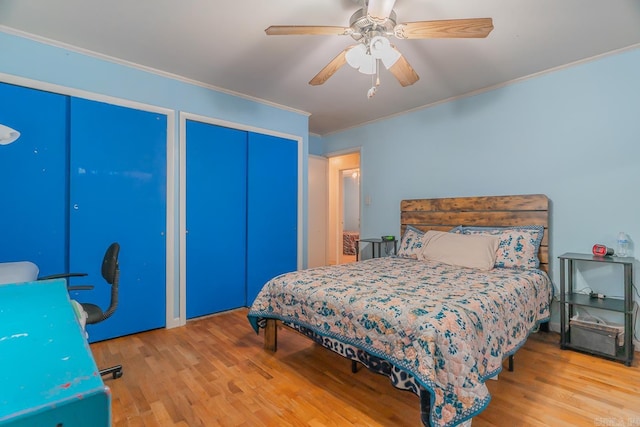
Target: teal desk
{"points": [[47, 373]]}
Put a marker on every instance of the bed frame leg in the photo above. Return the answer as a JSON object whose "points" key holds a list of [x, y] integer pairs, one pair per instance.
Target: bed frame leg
{"points": [[271, 335], [511, 363]]}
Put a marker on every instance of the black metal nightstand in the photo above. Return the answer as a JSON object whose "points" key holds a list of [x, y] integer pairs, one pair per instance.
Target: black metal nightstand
{"points": [[570, 299], [377, 246]]}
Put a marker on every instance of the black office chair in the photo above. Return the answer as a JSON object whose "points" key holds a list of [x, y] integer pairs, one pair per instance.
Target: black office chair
{"points": [[111, 274]]}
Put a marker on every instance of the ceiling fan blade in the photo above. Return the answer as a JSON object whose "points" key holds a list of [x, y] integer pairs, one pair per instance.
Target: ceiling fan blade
{"points": [[285, 30], [380, 10], [451, 28], [330, 68], [403, 71]]}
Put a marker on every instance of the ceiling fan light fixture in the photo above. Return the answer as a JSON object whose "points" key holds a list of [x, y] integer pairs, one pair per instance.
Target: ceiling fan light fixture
{"points": [[368, 65], [378, 46], [381, 48], [390, 57], [354, 55], [379, 10], [359, 59]]}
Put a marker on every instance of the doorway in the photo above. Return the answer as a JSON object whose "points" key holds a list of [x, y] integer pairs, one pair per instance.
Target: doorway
{"points": [[344, 208], [350, 213]]}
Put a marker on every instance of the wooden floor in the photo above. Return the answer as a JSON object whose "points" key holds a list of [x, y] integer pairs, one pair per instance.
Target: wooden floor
{"points": [[214, 372]]}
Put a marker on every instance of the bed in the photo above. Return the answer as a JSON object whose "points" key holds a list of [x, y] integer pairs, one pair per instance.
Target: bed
{"points": [[435, 328]]}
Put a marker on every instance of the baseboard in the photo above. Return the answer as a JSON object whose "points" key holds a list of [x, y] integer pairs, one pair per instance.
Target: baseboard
{"points": [[554, 327]]}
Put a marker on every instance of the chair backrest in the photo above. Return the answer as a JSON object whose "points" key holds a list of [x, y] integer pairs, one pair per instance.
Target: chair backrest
{"points": [[111, 273], [110, 263]]}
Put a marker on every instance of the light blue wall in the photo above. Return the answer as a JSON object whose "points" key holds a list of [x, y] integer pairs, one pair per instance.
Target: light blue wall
{"points": [[37, 61], [316, 147], [55, 65], [573, 135]]}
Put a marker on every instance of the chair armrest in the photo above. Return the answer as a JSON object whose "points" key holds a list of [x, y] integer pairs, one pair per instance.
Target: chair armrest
{"points": [[80, 288], [61, 276]]}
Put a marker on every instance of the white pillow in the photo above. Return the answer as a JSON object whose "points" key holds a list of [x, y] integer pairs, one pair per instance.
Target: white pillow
{"points": [[471, 251]]}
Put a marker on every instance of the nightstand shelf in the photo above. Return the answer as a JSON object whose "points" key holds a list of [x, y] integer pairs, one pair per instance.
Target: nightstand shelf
{"points": [[612, 304], [592, 340]]}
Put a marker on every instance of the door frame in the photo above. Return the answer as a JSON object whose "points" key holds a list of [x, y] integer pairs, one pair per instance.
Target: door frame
{"points": [[181, 294], [317, 210]]}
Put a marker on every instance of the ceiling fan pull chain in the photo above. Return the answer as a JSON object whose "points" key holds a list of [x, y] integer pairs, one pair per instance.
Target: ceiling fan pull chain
{"points": [[372, 91], [375, 81]]}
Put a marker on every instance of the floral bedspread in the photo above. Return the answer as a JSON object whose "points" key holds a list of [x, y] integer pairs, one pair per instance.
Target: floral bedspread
{"points": [[449, 327]]}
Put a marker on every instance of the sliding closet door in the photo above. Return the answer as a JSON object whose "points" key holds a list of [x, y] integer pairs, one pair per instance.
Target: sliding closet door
{"points": [[118, 194], [272, 210], [33, 176], [216, 184]]}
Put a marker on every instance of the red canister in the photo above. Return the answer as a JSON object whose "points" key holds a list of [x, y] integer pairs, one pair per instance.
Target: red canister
{"points": [[602, 250]]}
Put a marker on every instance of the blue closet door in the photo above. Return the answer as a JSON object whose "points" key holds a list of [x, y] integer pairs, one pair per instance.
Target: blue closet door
{"points": [[216, 188], [33, 176], [118, 194], [272, 217]]}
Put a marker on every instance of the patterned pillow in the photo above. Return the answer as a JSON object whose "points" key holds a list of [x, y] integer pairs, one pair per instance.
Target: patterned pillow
{"points": [[518, 246], [411, 243]]}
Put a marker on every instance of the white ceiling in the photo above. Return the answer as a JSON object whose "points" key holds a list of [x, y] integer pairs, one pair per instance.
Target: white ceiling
{"points": [[222, 43]]}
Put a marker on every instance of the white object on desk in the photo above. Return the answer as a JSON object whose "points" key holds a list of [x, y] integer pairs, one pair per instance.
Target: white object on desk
{"points": [[18, 272], [81, 315], [26, 271]]}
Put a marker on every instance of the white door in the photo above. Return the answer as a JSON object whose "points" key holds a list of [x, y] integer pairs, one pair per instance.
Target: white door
{"points": [[318, 207]]}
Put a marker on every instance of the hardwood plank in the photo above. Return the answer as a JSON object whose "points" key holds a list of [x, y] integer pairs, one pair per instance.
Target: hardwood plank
{"points": [[215, 372], [543, 255], [475, 218], [531, 202]]}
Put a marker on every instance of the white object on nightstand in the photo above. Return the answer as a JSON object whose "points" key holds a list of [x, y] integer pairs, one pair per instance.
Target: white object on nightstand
{"points": [[623, 245]]}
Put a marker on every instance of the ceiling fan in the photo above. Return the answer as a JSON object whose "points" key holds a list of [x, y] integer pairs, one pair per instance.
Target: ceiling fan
{"points": [[371, 27]]}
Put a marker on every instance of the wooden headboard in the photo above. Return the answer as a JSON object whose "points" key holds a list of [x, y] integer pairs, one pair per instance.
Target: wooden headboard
{"points": [[499, 211]]}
